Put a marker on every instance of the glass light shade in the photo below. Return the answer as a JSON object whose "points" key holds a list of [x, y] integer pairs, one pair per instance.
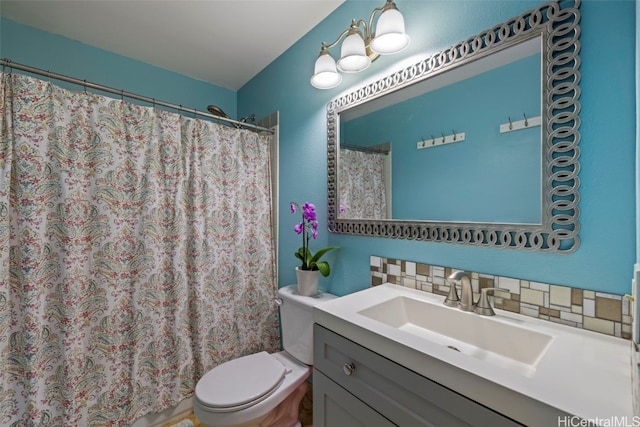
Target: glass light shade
{"points": [[325, 75], [390, 36], [353, 55]]}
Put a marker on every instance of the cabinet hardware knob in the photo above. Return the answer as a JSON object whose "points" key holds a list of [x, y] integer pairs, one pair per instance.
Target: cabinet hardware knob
{"points": [[348, 368]]}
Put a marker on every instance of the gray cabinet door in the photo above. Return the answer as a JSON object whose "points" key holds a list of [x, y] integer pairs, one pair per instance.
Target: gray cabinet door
{"points": [[333, 406], [401, 395]]}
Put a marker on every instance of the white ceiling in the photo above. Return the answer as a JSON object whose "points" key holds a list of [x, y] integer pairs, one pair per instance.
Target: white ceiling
{"points": [[224, 42]]}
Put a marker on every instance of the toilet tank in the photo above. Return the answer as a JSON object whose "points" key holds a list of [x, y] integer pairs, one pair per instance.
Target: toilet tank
{"points": [[296, 317]]}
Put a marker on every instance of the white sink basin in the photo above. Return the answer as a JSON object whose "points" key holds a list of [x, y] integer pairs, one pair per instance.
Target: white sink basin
{"points": [[505, 345]]}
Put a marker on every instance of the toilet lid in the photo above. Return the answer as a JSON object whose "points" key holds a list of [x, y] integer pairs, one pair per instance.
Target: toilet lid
{"points": [[240, 381]]}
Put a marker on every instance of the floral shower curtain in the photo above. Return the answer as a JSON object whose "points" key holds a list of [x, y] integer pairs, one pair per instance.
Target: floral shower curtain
{"points": [[135, 254], [361, 185]]}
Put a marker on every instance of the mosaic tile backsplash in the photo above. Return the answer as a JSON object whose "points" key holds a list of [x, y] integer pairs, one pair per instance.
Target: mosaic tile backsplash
{"points": [[596, 311]]}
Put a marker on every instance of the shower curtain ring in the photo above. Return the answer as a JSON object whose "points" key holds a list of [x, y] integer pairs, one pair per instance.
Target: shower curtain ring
{"points": [[10, 67]]}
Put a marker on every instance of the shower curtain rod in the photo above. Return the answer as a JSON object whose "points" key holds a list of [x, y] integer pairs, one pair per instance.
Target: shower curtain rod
{"points": [[8, 63], [374, 149]]}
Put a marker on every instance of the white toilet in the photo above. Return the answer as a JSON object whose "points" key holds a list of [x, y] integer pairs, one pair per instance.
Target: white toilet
{"points": [[264, 389]]}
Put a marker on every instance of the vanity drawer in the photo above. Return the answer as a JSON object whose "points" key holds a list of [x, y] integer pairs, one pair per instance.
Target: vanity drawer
{"points": [[399, 394], [333, 406]]}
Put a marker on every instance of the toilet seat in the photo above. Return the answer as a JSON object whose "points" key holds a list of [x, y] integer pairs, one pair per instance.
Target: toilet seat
{"points": [[247, 380]]}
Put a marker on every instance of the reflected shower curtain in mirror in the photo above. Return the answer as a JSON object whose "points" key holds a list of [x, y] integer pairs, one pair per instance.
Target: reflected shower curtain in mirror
{"points": [[361, 185], [135, 254]]}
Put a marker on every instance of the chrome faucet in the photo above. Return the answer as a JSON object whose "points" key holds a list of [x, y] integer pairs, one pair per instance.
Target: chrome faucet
{"points": [[466, 301]]}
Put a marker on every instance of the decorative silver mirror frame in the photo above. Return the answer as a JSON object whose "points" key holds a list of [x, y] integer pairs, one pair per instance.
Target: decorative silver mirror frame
{"points": [[558, 24]]}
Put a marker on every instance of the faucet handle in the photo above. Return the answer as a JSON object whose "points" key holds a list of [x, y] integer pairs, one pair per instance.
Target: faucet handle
{"points": [[483, 307], [452, 299]]}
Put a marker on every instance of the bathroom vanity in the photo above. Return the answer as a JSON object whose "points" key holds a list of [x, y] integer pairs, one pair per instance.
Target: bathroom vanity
{"points": [[347, 374], [382, 359]]}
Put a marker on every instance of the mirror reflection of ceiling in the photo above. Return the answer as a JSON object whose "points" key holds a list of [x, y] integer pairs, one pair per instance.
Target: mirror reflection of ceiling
{"points": [[489, 177], [452, 75]]}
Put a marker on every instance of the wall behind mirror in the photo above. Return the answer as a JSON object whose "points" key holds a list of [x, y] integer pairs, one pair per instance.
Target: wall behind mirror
{"points": [[483, 185], [490, 176]]}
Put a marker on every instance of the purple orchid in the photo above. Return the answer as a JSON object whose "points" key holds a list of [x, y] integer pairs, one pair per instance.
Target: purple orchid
{"points": [[309, 228]]}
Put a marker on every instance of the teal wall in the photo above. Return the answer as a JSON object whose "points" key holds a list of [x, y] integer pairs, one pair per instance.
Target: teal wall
{"points": [[605, 258], [29, 46]]}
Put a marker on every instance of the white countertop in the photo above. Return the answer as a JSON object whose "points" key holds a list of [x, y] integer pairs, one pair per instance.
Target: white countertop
{"points": [[583, 374]]}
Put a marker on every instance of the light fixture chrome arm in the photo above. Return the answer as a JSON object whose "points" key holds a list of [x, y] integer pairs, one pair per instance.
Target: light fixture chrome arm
{"points": [[338, 40], [373, 15]]}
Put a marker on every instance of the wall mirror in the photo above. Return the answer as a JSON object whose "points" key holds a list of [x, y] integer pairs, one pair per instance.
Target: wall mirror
{"points": [[477, 144]]}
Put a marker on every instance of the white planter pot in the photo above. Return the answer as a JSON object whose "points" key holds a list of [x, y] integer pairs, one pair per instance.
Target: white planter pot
{"points": [[307, 282]]}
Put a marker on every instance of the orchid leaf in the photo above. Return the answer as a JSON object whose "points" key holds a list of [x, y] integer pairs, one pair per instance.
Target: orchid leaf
{"points": [[324, 268], [321, 252]]}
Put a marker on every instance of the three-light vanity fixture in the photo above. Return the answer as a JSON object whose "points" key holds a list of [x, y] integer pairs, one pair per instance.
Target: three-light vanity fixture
{"points": [[359, 48]]}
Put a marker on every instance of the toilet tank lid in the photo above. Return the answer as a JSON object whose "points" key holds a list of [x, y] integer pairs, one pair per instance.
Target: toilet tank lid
{"points": [[291, 293]]}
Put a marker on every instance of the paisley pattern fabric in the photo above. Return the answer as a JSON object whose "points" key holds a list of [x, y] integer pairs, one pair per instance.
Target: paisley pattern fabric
{"points": [[361, 185], [135, 254]]}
